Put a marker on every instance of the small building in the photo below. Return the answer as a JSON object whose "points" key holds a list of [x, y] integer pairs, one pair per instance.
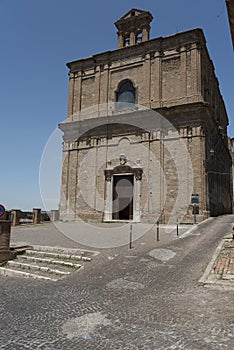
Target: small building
{"points": [[146, 129]]}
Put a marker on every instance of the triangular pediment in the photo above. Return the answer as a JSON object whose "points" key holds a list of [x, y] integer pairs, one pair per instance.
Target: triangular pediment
{"points": [[131, 13]]}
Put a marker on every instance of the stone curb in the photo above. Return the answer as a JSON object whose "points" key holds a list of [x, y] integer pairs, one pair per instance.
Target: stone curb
{"points": [[203, 280]]}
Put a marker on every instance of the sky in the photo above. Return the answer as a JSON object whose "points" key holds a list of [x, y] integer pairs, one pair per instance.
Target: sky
{"points": [[38, 38]]}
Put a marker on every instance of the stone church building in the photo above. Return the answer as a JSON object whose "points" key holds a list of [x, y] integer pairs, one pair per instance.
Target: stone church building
{"points": [[146, 131]]}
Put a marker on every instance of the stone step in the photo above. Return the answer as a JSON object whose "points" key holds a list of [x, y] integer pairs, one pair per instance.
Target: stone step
{"points": [[57, 255], [62, 250], [45, 269], [50, 261], [59, 267], [34, 271], [5, 271]]}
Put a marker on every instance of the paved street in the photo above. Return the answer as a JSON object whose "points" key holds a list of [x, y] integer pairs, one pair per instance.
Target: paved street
{"points": [[144, 298]]}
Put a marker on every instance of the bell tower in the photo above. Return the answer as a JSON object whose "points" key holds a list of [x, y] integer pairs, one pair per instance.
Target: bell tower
{"points": [[133, 28]]}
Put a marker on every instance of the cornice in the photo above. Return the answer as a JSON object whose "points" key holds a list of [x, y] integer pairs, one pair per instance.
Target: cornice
{"points": [[145, 120], [154, 45]]}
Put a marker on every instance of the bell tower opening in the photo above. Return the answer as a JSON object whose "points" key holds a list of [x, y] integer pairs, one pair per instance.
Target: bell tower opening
{"points": [[133, 28], [127, 41], [139, 38]]}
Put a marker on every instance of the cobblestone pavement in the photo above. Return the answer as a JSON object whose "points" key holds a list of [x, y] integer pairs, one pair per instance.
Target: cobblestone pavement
{"points": [[145, 298]]}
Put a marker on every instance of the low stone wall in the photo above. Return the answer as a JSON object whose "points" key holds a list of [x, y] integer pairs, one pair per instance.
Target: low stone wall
{"points": [[54, 215], [36, 216], [5, 232]]}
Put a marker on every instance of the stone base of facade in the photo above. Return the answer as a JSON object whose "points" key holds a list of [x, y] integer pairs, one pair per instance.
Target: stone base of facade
{"points": [[87, 217], [99, 217], [5, 255]]}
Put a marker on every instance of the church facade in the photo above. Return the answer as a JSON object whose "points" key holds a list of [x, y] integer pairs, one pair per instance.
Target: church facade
{"points": [[146, 131]]}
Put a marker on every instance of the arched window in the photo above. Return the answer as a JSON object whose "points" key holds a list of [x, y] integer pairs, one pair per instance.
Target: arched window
{"points": [[126, 95]]}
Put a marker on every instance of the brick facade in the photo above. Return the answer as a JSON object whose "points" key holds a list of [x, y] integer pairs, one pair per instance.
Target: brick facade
{"points": [[177, 102]]}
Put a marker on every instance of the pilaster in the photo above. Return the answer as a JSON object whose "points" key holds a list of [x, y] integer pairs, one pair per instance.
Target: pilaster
{"points": [[97, 85], [183, 68], [71, 94], [145, 34], [147, 81], [104, 90], [77, 93], [132, 38], [156, 73], [196, 72]]}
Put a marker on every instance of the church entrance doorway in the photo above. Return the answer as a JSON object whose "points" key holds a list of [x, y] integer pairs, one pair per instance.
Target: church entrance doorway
{"points": [[122, 197]]}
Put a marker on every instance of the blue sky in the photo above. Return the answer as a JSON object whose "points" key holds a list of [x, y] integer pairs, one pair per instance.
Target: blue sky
{"points": [[38, 38]]}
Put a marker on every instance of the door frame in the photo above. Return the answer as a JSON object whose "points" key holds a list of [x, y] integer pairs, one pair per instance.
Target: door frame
{"points": [[110, 172]]}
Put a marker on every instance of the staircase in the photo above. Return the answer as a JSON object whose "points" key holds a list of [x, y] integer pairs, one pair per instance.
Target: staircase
{"points": [[45, 263]]}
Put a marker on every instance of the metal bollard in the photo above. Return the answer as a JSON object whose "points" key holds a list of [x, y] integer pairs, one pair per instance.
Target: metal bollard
{"points": [[158, 231], [130, 237]]}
